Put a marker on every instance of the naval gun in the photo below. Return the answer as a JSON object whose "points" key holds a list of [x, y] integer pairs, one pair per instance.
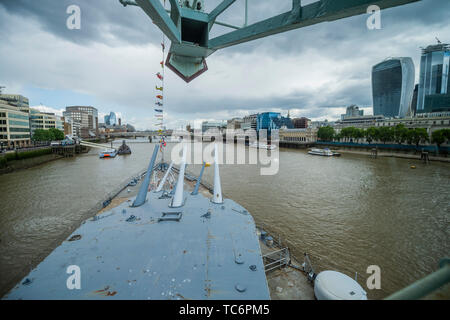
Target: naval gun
{"points": [[188, 26]]}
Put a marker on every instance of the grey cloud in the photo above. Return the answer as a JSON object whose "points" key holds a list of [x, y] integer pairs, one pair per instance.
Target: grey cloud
{"points": [[129, 24]]}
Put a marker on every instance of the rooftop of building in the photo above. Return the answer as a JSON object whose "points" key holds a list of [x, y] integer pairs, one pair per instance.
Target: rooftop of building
{"points": [[12, 96], [80, 108], [5, 105], [36, 111], [296, 129], [361, 117], [436, 48]]}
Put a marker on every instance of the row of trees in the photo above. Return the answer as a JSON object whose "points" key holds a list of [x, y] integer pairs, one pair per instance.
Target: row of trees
{"points": [[398, 134], [48, 135]]}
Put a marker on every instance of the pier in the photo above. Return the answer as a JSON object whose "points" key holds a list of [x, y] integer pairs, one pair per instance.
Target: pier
{"points": [[69, 150]]}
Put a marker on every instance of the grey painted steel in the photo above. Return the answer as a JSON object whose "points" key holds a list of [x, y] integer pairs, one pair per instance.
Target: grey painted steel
{"points": [[163, 181], [200, 251], [155, 10], [142, 195], [219, 9], [217, 194], [199, 180], [299, 17], [177, 200]]}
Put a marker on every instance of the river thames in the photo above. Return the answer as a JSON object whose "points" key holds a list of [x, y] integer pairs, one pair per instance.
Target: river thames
{"points": [[347, 213]]}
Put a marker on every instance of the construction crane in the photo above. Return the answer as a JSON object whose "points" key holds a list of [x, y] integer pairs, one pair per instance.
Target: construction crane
{"points": [[188, 26]]}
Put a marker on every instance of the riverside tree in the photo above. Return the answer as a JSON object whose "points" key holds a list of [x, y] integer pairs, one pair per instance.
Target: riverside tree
{"points": [[385, 134], [440, 136], [371, 134], [420, 135], [48, 135], [400, 133], [326, 133]]}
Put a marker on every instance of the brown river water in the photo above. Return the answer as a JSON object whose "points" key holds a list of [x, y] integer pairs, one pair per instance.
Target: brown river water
{"points": [[347, 213]]}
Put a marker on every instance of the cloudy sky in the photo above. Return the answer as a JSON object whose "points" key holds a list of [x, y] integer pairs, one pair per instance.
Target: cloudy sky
{"points": [[110, 63]]}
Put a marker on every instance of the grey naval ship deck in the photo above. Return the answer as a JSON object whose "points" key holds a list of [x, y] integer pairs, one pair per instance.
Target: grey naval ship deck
{"points": [[201, 250]]}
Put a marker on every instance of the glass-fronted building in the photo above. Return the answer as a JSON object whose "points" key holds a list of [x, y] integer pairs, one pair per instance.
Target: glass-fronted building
{"points": [[14, 126], [434, 77], [85, 115], [45, 121], [213, 126], [393, 87], [16, 100], [111, 119], [272, 121]]}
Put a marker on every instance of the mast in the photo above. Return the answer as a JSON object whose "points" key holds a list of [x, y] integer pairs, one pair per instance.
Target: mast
{"points": [[159, 111]]}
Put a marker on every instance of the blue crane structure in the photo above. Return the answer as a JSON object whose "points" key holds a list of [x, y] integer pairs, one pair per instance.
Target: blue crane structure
{"points": [[188, 26]]}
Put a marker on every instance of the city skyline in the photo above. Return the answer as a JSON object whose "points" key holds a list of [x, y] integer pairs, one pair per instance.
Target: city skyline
{"points": [[114, 68]]}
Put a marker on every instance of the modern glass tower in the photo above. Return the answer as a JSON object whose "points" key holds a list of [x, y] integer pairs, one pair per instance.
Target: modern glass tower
{"points": [[393, 87], [434, 75], [111, 119]]}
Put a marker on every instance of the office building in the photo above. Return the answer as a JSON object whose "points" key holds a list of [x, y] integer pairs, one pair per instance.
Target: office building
{"points": [[359, 121], [45, 121], [305, 135], [352, 111], [234, 123], [320, 124], [16, 100], [272, 121], [14, 126], [414, 100], [111, 119], [85, 115], [393, 87], [249, 122], [213, 126], [434, 83], [301, 123]]}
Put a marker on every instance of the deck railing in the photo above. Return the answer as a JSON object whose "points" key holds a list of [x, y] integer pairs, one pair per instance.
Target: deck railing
{"points": [[276, 259]]}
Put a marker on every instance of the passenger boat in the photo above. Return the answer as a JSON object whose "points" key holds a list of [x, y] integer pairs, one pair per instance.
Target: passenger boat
{"points": [[108, 153], [321, 152], [262, 146]]}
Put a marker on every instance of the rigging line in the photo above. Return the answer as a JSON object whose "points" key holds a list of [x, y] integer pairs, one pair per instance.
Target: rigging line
{"points": [[162, 142]]}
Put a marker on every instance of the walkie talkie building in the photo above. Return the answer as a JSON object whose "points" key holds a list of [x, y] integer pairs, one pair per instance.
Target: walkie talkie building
{"points": [[393, 87]]}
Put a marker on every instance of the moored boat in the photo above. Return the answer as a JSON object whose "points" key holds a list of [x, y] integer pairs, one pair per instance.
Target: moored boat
{"points": [[321, 152], [108, 153], [262, 146], [124, 149]]}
